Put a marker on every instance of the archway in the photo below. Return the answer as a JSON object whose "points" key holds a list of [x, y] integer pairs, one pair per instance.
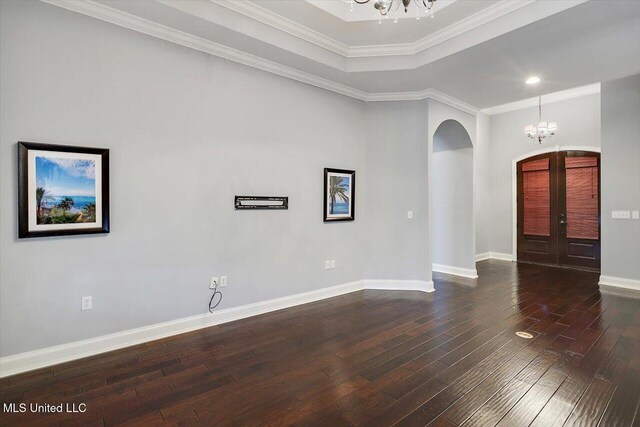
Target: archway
{"points": [[452, 223]]}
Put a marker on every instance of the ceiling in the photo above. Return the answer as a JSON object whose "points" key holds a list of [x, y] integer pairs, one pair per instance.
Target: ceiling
{"points": [[361, 26], [477, 51]]}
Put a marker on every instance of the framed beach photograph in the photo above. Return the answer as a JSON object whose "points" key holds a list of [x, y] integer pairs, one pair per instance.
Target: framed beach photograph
{"points": [[339, 195], [62, 190]]}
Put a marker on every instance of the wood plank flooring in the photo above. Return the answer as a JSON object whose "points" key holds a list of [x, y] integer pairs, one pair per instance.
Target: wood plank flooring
{"points": [[376, 358]]}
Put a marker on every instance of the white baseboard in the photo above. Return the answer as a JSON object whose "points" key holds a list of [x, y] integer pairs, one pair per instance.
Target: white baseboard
{"points": [[494, 255], [620, 282], [22, 362], [400, 285], [470, 273]]}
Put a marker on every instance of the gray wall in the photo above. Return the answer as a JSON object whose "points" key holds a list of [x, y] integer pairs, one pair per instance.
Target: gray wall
{"points": [[621, 176], [452, 197], [395, 247], [482, 182], [187, 131], [578, 125]]}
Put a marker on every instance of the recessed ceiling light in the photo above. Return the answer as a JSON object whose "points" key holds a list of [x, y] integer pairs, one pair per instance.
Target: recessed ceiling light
{"points": [[526, 335], [532, 80]]}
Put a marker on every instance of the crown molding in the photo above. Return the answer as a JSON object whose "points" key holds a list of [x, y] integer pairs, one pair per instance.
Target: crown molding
{"points": [[472, 22], [265, 16], [547, 99], [451, 101], [255, 21], [421, 95], [467, 24], [132, 22], [397, 96], [154, 29]]}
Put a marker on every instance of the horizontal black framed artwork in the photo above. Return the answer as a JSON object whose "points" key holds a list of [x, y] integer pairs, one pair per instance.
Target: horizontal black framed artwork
{"points": [[339, 195], [62, 190]]}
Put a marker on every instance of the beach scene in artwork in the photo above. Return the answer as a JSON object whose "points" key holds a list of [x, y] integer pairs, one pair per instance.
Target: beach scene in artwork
{"points": [[65, 190], [339, 195]]}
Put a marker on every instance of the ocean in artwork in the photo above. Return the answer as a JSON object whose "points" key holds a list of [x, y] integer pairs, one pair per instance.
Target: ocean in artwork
{"points": [[341, 208], [79, 202], [65, 190]]}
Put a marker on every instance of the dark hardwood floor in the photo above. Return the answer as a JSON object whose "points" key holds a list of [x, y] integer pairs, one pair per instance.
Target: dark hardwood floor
{"points": [[377, 358]]}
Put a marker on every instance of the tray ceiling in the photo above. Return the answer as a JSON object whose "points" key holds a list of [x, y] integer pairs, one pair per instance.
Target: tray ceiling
{"points": [[478, 51]]}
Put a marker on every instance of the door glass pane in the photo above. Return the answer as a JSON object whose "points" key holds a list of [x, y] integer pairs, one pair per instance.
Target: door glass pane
{"points": [[537, 208], [582, 197]]}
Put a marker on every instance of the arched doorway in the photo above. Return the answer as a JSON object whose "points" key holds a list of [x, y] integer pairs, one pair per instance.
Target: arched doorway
{"points": [[558, 208], [452, 222]]}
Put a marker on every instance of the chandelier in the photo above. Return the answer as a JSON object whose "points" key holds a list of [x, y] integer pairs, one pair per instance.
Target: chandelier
{"points": [[391, 6], [544, 130]]}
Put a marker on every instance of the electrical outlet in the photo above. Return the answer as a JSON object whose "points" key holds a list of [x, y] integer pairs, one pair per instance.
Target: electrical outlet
{"points": [[409, 214], [333, 264], [223, 281], [213, 282], [87, 303], [327, 265]]}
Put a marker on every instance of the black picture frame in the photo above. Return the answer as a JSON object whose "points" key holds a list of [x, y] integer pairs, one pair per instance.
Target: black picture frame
{"points": [[351, 213], [24, 230]]}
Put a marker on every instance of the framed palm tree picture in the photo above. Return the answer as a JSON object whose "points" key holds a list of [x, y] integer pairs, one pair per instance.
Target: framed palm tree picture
{"points": [[339, 195], [62, 190]]}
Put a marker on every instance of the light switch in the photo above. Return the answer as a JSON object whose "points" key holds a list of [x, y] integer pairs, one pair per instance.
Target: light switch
{"points": [[87, 303], [620, 214], [410, 214], [635, 214]]}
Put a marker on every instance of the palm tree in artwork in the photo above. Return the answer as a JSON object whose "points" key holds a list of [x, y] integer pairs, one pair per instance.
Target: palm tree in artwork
{"points": [[337, 190], [89, 211], [66, 204], [41, 195]]}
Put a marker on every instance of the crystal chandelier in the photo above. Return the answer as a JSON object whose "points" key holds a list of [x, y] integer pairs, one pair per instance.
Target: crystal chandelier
{"points": [[544, 130], [391, 6]]}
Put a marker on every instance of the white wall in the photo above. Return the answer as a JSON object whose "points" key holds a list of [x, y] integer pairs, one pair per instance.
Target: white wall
{"points": [[187, 131], [578, 125], [621, 177]]}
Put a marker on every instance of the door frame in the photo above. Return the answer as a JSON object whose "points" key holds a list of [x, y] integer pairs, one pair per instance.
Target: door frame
{"points": [[514, 186]]}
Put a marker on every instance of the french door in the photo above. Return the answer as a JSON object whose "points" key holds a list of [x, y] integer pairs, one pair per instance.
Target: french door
{"points": [[559, 209]]}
